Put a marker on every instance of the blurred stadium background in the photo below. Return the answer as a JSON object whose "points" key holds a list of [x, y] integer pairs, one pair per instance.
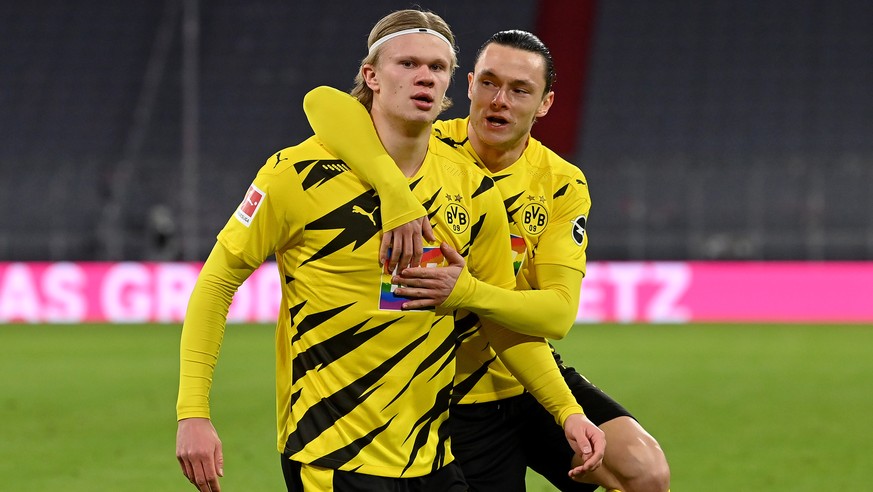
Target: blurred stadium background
{"points": [[708, 130], [714, 130]]}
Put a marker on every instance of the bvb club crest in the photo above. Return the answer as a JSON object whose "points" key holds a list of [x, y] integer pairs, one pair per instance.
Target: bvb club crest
{"points": [[534, 218], [457, 217]]}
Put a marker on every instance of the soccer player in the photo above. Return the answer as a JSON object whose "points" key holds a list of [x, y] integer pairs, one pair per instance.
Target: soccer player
{"points": [[363, 388], [498, 429]]}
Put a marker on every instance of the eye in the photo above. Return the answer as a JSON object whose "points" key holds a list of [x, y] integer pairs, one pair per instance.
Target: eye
{"points": [[437, 67], [407, 64]]}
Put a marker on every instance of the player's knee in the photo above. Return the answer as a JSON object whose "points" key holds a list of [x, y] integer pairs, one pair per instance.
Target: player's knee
{"points": [[655, 479], [648, 471]]}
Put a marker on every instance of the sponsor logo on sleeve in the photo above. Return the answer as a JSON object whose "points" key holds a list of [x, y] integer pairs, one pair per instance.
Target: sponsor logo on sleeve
{"points": [[578, 230], [250, 205]]}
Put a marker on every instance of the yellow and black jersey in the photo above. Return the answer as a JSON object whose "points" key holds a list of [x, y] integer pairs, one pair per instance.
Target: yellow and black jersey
{"points": [[547, 202], [360, 384]]}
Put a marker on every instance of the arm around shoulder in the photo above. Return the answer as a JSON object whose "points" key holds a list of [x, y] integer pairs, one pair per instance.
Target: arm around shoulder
{"points": [[548, 312]]}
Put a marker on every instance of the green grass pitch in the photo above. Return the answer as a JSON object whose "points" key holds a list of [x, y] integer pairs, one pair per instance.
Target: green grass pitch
{"points": [[736, 407]]}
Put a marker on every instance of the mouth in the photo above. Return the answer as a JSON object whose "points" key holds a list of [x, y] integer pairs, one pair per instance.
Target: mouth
{"points": [[496, 121], [423, 100]]}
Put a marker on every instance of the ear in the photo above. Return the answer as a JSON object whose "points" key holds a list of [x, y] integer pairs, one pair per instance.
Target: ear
{"points": [[470, 86], [546, 104], [368, 72]]}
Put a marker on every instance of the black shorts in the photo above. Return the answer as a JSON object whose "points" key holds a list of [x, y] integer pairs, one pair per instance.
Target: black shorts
{"points": [[316, 479], [496, 442]]}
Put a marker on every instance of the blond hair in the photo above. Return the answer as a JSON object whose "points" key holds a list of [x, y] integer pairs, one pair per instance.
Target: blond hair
{"points": [[395, 22]]}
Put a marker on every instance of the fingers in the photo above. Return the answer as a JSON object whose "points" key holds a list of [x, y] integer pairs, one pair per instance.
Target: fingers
{"points": [[198, 450], [587, 441], [451, 255], [402, 246], [203, 474], [417, 251], [417, 304], [219, 462], [427, 230], [396, 252], [205, 478], [384, 248], [592, 447]]}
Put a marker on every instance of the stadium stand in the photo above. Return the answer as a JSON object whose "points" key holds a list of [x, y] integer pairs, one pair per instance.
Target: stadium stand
{"points": [[733, 130]]}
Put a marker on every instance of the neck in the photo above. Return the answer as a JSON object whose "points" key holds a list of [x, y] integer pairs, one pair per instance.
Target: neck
{"points": [[496, 158], [406, 142]]}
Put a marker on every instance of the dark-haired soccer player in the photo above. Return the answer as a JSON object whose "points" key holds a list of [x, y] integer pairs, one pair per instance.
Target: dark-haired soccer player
{"points": [[363, 388], [547, 202]]}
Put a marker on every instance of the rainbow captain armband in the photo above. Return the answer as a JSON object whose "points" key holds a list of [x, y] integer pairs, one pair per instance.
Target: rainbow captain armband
{"points": [[432, 257]]}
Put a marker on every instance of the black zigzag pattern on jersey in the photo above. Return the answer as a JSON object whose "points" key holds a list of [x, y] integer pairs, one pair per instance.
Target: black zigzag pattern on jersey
{"points": [[323, 414], [509, 203], [345, 453], [293, 310], [295, 396], [465, 386], [561, 191], [445, 352], [358, 220], [484, 185], [449, 141], [429, 202], [320, 355], [475, 228], [439, 459], [322, 170], [440, 407], [314, 320], [466, 327]]}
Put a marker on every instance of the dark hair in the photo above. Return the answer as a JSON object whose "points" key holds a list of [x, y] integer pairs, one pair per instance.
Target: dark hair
{"points": [[523, 40]]}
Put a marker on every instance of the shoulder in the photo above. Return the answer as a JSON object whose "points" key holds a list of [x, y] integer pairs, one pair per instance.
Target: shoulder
{"points": [[295, 158], [450, 157], [457, 169], [546, 161], [452, 132]]}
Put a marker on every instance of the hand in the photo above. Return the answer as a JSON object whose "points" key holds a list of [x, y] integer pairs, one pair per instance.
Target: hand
{"points": [[198, 450], [588, 442], [405, 244], [429, 286]]}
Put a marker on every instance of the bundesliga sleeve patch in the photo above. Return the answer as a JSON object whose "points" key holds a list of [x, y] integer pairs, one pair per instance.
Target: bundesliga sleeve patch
{"points": [[250, 205], [578, 231]]}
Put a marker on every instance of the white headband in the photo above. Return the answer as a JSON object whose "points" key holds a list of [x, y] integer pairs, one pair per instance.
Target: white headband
{"points": [[414, 30]]}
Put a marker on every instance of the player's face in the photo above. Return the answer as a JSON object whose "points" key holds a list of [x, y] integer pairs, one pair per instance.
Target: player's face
{"points": [[506, 91], [410, 80]]}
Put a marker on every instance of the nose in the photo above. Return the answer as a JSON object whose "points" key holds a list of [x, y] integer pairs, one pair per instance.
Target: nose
{"points": [[424, 76], [499, 99]]}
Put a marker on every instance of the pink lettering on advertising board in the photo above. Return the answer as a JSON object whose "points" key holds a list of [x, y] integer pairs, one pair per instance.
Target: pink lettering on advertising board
{"points": [[623, 292]]}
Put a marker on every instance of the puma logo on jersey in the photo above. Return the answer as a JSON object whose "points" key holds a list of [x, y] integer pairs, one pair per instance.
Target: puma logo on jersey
{"points": [[279, 159], [358, 210]]}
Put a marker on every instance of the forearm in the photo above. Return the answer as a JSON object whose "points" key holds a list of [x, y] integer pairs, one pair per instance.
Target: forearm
{"points": [[344, 127], [530, 360], [203, 330], [548, 312]]}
